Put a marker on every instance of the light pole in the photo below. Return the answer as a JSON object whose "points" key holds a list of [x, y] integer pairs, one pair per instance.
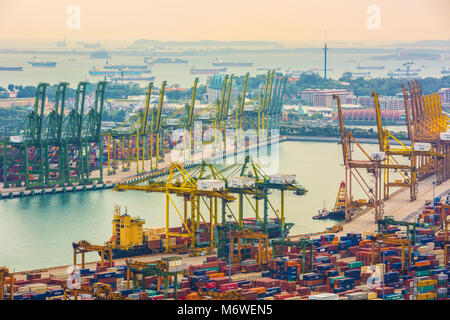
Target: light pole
{"points": [[434, 212], [229, 253]]}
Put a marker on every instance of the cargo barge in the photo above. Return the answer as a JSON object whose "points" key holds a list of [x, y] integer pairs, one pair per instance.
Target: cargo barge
{"points": [[11, 68]]}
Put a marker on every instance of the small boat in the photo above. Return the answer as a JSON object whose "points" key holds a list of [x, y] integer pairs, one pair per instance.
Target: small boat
{"points": [[322, 214]]}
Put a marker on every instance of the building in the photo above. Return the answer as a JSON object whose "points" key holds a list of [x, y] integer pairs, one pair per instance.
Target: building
{"points": [[324, 97]]}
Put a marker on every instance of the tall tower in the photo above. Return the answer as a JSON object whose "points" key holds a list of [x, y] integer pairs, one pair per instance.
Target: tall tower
{"points": [[325, 49]]}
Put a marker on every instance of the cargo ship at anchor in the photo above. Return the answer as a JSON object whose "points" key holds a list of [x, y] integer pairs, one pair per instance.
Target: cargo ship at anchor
{"points": [[35, 62], [195, 70], [220, 63], [11, 68], [101, 72]]}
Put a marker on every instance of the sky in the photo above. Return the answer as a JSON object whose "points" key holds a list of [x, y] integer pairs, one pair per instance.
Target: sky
{"points": [[285, 21]]}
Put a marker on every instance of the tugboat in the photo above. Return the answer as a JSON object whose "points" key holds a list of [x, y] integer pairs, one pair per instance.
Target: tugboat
{"points": [[322, 214]]}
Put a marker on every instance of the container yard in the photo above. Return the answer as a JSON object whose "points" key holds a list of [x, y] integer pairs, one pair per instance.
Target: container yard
{"points": [[393, 263]]}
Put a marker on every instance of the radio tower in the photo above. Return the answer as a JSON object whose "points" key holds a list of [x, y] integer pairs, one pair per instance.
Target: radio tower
{"points": [[325, 49]]}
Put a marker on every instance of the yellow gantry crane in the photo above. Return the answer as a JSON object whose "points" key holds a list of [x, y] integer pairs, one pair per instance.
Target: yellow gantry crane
{"points": [[186, 187], [84, 246], [378, 242], [238, 237], [5, 275], [101, 291], [428, 129], [371, 163]]}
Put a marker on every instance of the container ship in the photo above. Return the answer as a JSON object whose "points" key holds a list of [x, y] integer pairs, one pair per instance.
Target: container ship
{"points": [[195, 70], [11, 68], [129, 238], [268, 69], [35, 62], [359, 67], [232, 64], [169, 60], [131, 78], [125, 66], [100, 72]]}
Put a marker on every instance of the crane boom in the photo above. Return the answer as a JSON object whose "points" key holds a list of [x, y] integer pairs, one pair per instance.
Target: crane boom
{"points": [[147, 105], [191, 108], [160, 105], [378, 119], [341, 127]]}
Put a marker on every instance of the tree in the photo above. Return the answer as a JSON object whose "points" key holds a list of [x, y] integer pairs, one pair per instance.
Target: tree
{"points": [[11, 87], [27, 92]]}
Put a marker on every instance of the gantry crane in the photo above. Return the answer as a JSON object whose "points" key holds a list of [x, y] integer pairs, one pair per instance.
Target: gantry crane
{"points": [[101, 291], [240, 238], [204, 294], [5, 275], [410, 227], [83, 246], [166, 267], [56, 149], [187, 189], [380, 240], [372, 164], [301, 244], [427, 125]]}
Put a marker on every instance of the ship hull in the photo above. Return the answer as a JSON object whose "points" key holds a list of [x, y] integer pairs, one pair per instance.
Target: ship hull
{"points": [[232, 64], [11, 68], [133, 252], [44, 64]]}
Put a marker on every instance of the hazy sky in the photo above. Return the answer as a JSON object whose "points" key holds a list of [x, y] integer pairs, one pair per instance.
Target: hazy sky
{"points": [[288, 21]]}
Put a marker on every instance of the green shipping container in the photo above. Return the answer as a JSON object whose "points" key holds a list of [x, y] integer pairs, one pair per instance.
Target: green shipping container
{"points": [[394, 296], [422, 273], [425, 289], [356, 264]]}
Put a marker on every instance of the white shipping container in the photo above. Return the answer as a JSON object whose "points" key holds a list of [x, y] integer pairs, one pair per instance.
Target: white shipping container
{"points": [[378, 156], [422, 146], [210, 185], [241, 182], [282, 178], [445, 136], [172, 121], [16, 139], [324, 296]]}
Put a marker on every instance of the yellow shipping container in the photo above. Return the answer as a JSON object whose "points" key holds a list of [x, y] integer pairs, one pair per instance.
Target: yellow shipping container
{"points": [[372, 296]]}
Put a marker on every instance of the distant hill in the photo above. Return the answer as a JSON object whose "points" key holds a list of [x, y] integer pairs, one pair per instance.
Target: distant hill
{"points": [[425, 43], [146, 42]]}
